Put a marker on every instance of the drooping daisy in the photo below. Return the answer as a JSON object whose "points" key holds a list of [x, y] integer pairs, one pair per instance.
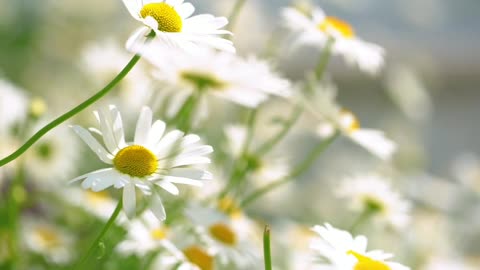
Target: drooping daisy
{"points": [[48, 240], [13, 105], [339, 250], [318, 29], [333, 118], [232, 237], [173, 25], [219, 74], [372, 193], [153, 159]]}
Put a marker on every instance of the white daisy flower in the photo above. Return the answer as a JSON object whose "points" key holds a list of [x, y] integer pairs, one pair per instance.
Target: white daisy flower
{"points": [[335, 118], [318, 29], [145, 234], [339, 250], [232, 238], [48, 240], [373, 193], [192, 257], [13, 106], [53, 158], [154, 159], [219, 74], [173, 25]]}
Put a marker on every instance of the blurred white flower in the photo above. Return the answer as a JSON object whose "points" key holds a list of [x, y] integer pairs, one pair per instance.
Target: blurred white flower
{"points": [[100, 204], [53, 159], [219, 74], [145, 234], [333, 117], [372, 193], [13, 106], [339, 250], [48, 240], [192, 257], [296, 239], [231, 237], [314, 27], [173, 25], [409, 93], [154, 159], [466, 169]]}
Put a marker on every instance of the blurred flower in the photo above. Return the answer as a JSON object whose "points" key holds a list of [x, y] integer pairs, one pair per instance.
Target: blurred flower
{"points": [[338, 249], [372, 194], [220, 74], [447, 263], [48, 240], [231, 237], [466, 169], [13, 106], [100, 204], [53, 159], [192, 257], [296, 239], [152, 159], [334, 118], [145, 234], [173, 25], [314, 27], [409, 93]]}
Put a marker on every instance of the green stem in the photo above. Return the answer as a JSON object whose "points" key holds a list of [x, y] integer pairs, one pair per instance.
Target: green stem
{"points": [[324, 60], [297, 171], [267, 146], [99, 238], [15, 199], [364, 216], [266, 248], [71, 113], [232, 18]]}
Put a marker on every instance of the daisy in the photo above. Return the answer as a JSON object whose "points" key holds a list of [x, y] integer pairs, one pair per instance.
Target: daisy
{"points": [[372, 193], [333, 118], [231, 237], [219, 74], [339, 250], [192, 257], [173, 25], [48, 240], [13, 106], [153, 159], [319, 29]]}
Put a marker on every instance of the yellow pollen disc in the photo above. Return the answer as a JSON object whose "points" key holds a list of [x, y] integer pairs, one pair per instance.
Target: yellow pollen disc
{"points": [[136, 161], [349, 121], [199, 257], [365, 263], [166, 16], [228, 206], [202, 80], [338, 25], [223, 233], [47, 237], [97, 197], [159, 234]]}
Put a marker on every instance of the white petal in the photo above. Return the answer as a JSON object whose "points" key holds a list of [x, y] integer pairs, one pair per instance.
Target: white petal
{"points": [[186, 10], [136, 41], [88, 174], [156, 133], [157, 207], [132, 8], [93, 144], [191, 173], [144, 124], [169, 187], [129, 200], [183, 181]]}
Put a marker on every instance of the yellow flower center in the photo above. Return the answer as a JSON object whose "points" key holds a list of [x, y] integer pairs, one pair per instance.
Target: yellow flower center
{"points": [[228, 206], [222, 233], [159, 234], [47, 237], [349, 121], [166, 16], [136, 161], [338, 25], [199, 257], [366, 263], [97, 198], [202, 80]]}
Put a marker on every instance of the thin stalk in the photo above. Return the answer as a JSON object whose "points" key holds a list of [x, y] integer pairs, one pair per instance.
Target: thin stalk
{"points": [[99, 238], [71, 113], [14, 200], [297, 171], [364, 216], [324, 59], [266, 248], [232, 18]]}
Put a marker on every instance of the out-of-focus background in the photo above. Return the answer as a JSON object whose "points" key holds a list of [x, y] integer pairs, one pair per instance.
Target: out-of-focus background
{"points": [[432, 47]]}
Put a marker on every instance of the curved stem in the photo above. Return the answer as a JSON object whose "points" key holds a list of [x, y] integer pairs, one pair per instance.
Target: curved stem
{"points": [[71, 113], [297, 171], [266, 248], [232, 18], [99, 238]]}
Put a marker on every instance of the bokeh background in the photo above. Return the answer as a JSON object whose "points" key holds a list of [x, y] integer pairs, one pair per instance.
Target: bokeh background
{"points": [[432, 47]]}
